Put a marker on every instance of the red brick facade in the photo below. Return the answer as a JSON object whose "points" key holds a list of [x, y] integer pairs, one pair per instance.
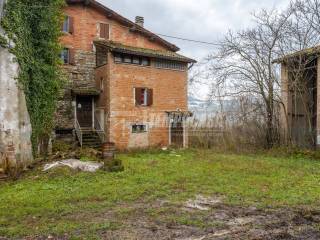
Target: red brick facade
{"points": [[115, 106]]}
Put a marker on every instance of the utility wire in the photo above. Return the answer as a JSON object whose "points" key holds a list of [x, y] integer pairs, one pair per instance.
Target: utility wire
{"points": [[189, 40]]}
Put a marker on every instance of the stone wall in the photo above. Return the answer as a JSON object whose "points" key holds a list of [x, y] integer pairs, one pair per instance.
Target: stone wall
{"points": [[15, 127], [79, 75]]}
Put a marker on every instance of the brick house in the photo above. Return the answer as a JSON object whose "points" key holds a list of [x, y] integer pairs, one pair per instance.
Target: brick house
{"points": [[300, 79], [126, 84]]}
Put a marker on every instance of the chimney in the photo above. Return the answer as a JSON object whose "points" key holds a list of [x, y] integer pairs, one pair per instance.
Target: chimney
{"points": [[140, 21]]}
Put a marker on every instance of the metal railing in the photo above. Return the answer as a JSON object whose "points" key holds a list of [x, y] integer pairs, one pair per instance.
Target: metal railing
{"points": [[99, 130], [79, 132]]}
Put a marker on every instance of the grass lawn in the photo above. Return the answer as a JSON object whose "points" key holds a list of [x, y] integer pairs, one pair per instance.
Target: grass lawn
{"points": [[82, 204]]}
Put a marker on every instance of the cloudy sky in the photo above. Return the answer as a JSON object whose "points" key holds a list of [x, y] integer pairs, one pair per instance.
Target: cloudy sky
{"points": [[204, 20]]}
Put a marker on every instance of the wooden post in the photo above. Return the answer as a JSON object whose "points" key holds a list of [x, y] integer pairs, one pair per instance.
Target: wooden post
{"points": [[286, 107], [169, 118], [318, 104], [93, 111], [185, 132], [75, 111]]}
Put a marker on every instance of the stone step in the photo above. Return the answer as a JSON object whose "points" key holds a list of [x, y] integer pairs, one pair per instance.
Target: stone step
{"points": [[3, 177], [98, 146], [91, 137]]}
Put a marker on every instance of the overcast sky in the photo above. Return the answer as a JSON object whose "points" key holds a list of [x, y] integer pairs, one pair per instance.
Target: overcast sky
{"points": [[204, 20]]}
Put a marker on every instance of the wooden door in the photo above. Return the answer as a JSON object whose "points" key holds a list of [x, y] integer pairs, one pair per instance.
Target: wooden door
{"points": [[84, 111], [177, 134]]}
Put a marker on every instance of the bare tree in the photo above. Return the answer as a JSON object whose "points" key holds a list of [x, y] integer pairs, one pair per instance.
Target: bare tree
{"points": [[243, 65]]}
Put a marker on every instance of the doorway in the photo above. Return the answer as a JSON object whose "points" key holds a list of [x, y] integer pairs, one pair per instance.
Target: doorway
{"points": [[85, 111], [177, 134]]}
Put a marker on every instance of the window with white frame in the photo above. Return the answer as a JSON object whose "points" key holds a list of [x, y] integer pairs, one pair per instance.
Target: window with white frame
{"points": [[67, 26], [143, 96]]}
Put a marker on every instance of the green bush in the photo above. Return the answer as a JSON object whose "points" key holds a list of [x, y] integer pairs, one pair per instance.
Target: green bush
{"points": [[34, 26]]}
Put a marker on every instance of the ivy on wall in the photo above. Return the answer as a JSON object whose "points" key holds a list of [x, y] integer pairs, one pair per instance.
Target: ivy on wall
{"points": [[34, 27]]}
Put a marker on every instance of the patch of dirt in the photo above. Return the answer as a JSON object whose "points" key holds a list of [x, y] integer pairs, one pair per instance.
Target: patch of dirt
{"points": [[230, 222], [218, 221]]}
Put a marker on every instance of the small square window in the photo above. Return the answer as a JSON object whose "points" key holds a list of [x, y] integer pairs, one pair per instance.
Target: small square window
{"points": [[139, 128]]}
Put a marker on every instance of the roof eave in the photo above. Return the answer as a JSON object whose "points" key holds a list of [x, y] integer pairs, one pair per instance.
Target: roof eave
{"points": [[141, 52], [303, 52]]}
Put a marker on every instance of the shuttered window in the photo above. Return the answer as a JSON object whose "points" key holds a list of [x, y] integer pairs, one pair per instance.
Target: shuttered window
{"points": [[68, 56], [65, 56], [143, 97], [104, 30], [67, 26]]}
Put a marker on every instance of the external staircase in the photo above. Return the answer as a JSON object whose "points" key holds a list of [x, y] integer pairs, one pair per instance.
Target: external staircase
{"points": [[90, 137]]}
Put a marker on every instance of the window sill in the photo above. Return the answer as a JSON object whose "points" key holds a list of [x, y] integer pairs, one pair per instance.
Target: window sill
{"points": [[143, 106], [105, 39], [66, 33]]}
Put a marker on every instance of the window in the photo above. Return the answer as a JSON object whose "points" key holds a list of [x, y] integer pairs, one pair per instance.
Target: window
{"points": [[104, 30], [67, 56], [118, 58], [127, 59], [139, 128], [143, 97], [67, 26], [102, 84], [131, 59], [167, 64], [136, 60], [145, 62]]}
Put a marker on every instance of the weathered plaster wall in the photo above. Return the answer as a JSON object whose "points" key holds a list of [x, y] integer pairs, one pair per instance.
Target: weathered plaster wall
{"points": [[15, 127]]}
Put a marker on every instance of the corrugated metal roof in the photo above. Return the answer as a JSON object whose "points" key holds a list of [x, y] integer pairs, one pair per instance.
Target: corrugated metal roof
{"points": [[305, 52], [118, 47]]}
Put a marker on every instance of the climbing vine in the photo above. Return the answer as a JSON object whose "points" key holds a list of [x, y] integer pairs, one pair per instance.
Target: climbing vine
{"points": [[34, 28]]}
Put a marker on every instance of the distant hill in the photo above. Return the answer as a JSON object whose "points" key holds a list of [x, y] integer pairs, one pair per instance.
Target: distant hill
{"points": [[199, 105]]}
